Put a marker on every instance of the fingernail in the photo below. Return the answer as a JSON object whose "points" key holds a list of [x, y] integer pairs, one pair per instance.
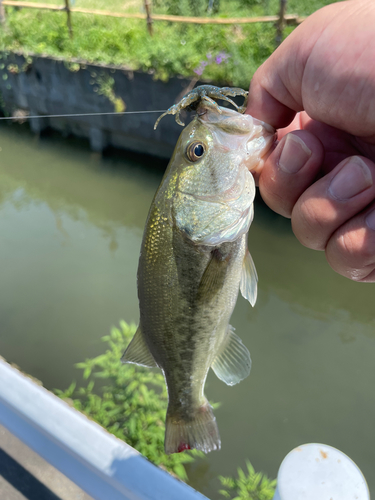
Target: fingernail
{"points": [[294, 154], [353, 178], [370, 220]]}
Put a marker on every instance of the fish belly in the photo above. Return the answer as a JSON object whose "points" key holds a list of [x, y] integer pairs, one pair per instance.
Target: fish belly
{"points": [[187, 294]]}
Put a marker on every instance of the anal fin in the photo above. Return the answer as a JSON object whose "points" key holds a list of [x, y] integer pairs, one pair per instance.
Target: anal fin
{"points": [[249, 279], [137, 352], [232, 363]]}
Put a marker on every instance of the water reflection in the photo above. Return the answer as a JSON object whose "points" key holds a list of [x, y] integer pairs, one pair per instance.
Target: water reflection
{"points": [[71, 227], [302, 277]]}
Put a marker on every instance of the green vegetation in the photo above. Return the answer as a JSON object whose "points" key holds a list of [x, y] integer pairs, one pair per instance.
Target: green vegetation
{"points": [[251, 485], [131, 403], [228, 54], [105, 86], [175, 49], [221, 8]]}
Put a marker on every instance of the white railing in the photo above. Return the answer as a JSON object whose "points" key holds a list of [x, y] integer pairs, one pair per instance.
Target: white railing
{"points": [[102, 465]]}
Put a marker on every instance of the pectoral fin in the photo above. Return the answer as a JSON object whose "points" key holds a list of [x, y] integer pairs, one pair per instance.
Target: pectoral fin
{"points": [[137, 352], [214, 275], [232, 363], [249, 278]]}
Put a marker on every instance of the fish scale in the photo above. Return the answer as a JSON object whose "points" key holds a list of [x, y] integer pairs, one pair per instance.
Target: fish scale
{"points": [[193, 261]]}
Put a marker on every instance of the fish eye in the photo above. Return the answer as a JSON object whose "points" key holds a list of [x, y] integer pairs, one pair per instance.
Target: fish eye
{"points": [[195, 150]]}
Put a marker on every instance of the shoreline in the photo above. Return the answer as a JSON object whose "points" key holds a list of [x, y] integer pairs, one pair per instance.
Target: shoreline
{"points": [[37, 85]]}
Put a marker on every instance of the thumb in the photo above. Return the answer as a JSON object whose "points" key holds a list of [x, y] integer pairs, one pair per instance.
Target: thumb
{"points": [[276, 92]]}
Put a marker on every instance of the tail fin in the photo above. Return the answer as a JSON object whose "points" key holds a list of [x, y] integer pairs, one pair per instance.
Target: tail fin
{"points": [[199, 432]]}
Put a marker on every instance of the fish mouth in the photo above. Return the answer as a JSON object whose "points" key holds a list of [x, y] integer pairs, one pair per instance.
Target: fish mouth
{"points": [[231, 120], [235, 131]]}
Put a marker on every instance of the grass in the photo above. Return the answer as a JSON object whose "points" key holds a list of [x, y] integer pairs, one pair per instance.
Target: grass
{"points": [[174, 49]]}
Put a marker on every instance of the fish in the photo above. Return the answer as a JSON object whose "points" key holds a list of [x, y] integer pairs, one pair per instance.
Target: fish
{"points": [[194, 260]]}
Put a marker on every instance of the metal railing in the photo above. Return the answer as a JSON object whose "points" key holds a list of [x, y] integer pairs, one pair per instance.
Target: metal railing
{"points": [[100, 464]]}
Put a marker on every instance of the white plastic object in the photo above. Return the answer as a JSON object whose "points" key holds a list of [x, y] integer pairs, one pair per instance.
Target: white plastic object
{"points": [[318, 471]]}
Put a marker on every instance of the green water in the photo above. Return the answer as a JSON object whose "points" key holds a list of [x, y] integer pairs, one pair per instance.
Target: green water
{"points": [[70, 231]]}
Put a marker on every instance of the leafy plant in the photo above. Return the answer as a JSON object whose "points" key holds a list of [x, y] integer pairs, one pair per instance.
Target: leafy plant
{"points": [[131, 404], [248, 486], [185, 7], [105, 86]]}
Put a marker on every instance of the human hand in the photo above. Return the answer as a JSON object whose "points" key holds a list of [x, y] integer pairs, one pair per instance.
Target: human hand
{"points": [[321, 173]]}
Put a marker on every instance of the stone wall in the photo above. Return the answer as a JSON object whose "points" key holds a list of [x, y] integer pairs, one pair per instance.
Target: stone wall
{"points": [[45, 86]]}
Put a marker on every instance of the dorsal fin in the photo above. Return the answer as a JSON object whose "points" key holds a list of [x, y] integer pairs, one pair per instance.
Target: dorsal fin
{"points": [[232, 362], [137, 351]]}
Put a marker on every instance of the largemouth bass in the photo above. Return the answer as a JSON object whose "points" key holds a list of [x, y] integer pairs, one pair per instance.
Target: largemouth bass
{"points": [[193, 261]]}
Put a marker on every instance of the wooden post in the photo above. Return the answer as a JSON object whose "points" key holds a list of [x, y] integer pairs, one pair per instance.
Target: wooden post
{"points": [[147, 4], [69, 20], [2, 12], [281, 22]]}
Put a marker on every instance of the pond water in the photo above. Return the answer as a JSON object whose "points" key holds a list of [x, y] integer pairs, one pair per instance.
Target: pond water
{"points": [[70, 232]]}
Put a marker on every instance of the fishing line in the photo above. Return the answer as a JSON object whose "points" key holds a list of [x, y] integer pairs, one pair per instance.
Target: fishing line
{"points": [[27, 117]]}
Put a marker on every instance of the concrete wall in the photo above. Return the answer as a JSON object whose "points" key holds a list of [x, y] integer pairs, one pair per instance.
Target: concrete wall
{"points": [[44, 86]]}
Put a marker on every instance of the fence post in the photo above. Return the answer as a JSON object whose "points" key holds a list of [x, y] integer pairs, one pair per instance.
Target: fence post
{"points": [[69, 20], [281, 22], [148, 13], [2, 12]]}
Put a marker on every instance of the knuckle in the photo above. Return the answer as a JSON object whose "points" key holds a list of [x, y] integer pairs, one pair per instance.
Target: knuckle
{"points": [[357, 248], [274, 195], [351, 253], [309, 224], [277, 202]]}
